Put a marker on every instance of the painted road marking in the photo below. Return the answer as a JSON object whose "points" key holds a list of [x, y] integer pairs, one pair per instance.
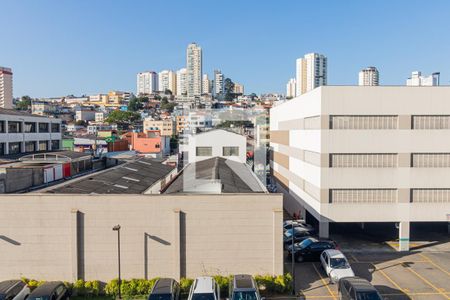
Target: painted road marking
{"points": [[434, 264], [426, 281], [324, 282], [390, 280]]}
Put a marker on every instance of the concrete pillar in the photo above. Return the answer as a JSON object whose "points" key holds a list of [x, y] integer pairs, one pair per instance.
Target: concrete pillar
{"points": [[403, 236], [324, 229], [74, 243], [277, 255], [177, 244]]}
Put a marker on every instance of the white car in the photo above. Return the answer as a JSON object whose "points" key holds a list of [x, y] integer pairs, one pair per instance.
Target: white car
{"points": [[204, 288], [14, 290], [335, 265]]}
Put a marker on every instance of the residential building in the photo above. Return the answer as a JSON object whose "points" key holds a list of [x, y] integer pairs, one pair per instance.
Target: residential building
{"points": [[107, 129], [42, 108], [218, 82], [84, 114], [206, 84], [417, 79], [238, 88], [100, 116], [181, 82], [117, 97], [6, 88], [216, 143], [99, 98], [22, 132], [369, 77], [165, 126], [291, 87], [311, 72], [151, 143], [365, 154], [199, 121], [194, 69], [147, 83], [181, 124], [167, 81]]}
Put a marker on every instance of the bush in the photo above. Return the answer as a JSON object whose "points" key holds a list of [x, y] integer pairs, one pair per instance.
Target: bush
{"points": [[130, 288], [224, 283], [185, 285], [274, 284]]}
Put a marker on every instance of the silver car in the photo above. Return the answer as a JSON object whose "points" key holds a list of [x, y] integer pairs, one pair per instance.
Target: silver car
{"points": [[14, 290], [335, 265]]}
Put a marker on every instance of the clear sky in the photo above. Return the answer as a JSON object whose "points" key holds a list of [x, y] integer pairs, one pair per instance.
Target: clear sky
{"points": [[62, 47]]}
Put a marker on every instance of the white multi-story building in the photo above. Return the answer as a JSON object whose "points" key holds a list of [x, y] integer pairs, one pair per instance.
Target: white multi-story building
{"points": [[6, 88], [194, 69], [417, 79], [147, 83], [311, 72], [369, 77], [85, 115], [206, 84], [238, 88], [218, 82], [181, 82], [167, 81], [365, 154], [291, 87], [22, 132]]}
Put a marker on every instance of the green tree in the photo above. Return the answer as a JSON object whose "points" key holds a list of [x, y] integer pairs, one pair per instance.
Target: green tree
{"points": [[135, 104], [228, 88], [24, 103], [123, 118]]}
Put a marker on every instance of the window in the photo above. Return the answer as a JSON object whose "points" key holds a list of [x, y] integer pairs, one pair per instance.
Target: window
{"points": [[363, 122], [2, 148], [55, 127], [430, 195], [430, 160], [203, 151], [43, 145], [15, 148], [55, 145], [363, 196], [43, 127], [30, 146], [2, 127], [14, 127], [431, 122], [363, 160], [30, 127], [230, 151]]}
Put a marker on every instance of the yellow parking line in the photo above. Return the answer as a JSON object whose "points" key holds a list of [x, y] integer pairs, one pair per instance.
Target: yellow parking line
{"points": [[427, 282], [434, 264], [324, 282], [390, 280], [354, 258]]}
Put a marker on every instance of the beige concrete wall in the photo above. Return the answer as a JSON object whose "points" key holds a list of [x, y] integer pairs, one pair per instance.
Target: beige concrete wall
{"points": [[67, 237]]}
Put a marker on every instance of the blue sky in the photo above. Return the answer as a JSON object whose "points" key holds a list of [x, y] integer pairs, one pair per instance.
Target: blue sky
{"points": [[89, 46]]}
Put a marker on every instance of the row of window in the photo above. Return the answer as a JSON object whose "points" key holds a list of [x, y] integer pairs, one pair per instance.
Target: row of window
{"points": [[430, 195], [388, 122], [226, 151], [30, 146], [388, 160], [346, 196], [29, 127]]}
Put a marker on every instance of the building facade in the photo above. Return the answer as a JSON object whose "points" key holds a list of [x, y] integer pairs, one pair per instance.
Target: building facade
{"points": [[206, 84], [238, 88], [21, 132], [181, 82], [218, 82], [291, 88], [6, 88], [417, 79], [194, 69], [166, 126], [369, 77], [365, 154], [311, 72], [147, 83], [167, 80]]}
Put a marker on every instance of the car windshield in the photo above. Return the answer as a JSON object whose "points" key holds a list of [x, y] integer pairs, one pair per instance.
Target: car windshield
{"points": [[244, 296], [368, 296], [39, 298], [305, 243], [339, 263], [203, 296], [2, 297], [160, 297]]}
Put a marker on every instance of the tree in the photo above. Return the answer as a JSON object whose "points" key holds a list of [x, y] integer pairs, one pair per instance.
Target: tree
{"points": [[228, 88], [135, 104], [24, 103], [123, 118]]}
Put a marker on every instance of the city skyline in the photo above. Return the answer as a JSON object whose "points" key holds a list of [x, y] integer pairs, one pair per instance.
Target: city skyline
{"points": [[63, 60]]}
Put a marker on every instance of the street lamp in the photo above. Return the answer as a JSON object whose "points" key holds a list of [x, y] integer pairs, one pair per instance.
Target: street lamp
{"points": [[117, 228]]}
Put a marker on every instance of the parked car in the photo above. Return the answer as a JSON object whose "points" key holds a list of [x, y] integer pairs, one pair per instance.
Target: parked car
{"points": [[299, 233], [204, 288], [356, 288], [335, 265], [243, 287], [288, 224], [165, 289], [51, 290], [310, 249], [14, 290]]}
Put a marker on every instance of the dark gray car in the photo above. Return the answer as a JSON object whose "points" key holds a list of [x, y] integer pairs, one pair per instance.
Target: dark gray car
{"points": [[356, 288], [165, 289]]}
